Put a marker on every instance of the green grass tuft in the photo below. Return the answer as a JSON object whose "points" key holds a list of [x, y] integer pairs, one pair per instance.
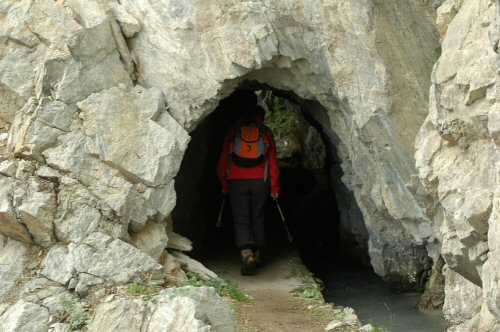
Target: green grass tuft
{"points": [[223, 287], [309, 289], [137, 289]]}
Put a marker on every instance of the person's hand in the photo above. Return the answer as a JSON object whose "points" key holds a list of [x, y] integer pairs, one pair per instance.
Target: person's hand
{"points": [[274, 196]]}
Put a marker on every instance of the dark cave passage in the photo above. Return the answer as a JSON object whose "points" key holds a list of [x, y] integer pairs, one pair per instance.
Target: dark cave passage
{"points": [[312, 199], [306, 197]]}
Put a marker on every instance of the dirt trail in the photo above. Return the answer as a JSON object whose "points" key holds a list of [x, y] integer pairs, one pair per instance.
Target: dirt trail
{"points": [[274, 308]]}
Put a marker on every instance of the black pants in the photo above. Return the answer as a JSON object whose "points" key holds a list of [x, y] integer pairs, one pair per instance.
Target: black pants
{"points": [[248, 200]]}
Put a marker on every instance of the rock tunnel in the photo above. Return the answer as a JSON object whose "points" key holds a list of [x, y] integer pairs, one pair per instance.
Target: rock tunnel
{"points": [[328, 224], [96, 119], [309, 172]]}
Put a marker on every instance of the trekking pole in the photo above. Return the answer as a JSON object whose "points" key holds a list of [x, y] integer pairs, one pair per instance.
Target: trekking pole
{"points": [[283, 219], [219, 219]]}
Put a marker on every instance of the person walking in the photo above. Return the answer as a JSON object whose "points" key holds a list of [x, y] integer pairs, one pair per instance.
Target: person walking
{"points": [[248, 171]]}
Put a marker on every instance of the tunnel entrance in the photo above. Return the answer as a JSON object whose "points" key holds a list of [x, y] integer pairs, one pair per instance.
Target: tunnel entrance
{"points": [[309, 169], [318, 210]]}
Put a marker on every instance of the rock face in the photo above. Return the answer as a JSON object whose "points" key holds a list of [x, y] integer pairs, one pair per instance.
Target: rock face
{"points": [[13, 258], [354, 72], [97, 99], [458, 158]]}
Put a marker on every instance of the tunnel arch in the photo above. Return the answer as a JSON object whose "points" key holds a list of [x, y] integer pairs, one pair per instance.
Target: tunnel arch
{"points": [[199, 163]]}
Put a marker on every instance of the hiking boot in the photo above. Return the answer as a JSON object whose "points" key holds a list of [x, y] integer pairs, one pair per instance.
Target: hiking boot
{"points": [[247, 262], [257, 255]]}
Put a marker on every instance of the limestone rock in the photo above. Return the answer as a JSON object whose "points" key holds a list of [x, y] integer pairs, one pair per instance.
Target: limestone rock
{"points": [[152, 239], [85, 281], [183, 309], [25, 316], [178, 242], [192, 265], [103, 181], [123, 134], [77, 215], [38, 126], [113, 260], [458, 158], [8, 167], [366, 104], [9, 104], [209, 306], [173, 269], [58, 265], [460, 310], [59, 327], [128, 24], [9, 224], [100, 156], [37, 212], [13, 257]]}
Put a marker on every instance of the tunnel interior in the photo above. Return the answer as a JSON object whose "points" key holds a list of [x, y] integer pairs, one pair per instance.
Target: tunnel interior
{"points": [[309, 175]]}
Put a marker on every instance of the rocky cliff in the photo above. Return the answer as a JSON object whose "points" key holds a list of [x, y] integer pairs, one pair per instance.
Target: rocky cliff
{"points": [[98, 99]]}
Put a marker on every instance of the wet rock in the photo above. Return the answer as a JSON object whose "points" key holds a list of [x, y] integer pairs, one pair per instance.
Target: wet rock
{"points": [[25, 316], [13, 255]]}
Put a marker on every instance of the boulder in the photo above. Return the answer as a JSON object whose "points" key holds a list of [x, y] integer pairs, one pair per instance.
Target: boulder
{"points": [[177, 309], [114, 261]]}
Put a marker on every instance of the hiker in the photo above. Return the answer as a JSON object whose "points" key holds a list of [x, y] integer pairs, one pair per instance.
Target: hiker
{"points": [[248, 171]]}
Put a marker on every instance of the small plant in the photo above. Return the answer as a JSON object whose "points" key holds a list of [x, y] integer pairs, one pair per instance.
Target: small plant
{"points": [[137, 289], [433, 296], [309, 289], [223, 288], [379, 329], [74, 313]]}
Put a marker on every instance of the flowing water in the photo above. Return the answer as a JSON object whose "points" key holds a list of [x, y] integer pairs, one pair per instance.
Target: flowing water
{"points": [[359, 288], [313, 218]]}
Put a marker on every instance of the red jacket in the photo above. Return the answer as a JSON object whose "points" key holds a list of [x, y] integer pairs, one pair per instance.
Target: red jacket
{"points": [[227, 170]]}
